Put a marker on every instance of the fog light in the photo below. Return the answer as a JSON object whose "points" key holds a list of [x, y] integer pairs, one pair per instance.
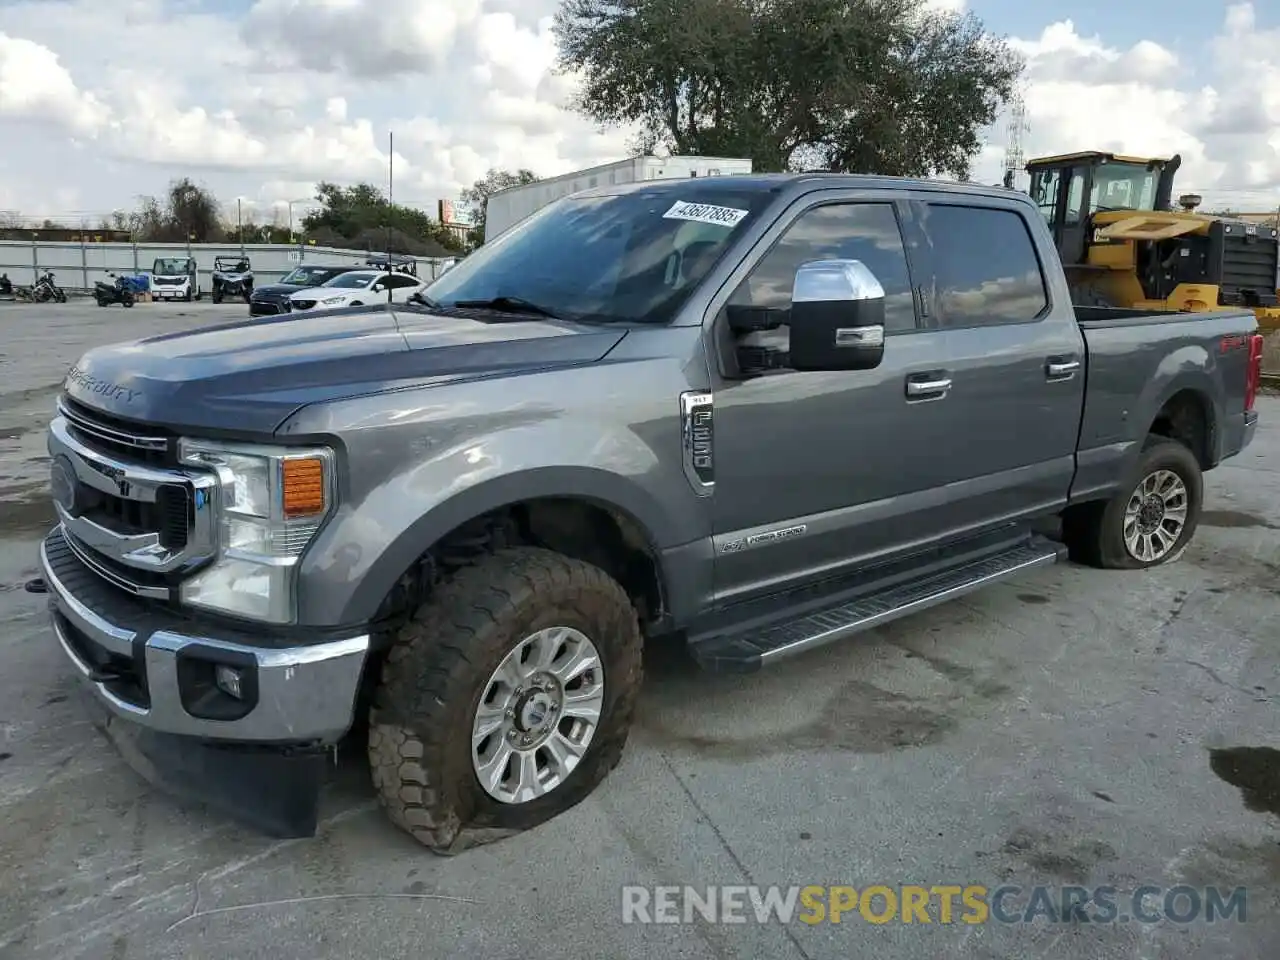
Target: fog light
{"points": [[228, 680]]}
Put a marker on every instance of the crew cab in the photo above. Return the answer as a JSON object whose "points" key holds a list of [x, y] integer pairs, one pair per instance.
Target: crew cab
{"points": [[760, 414]]}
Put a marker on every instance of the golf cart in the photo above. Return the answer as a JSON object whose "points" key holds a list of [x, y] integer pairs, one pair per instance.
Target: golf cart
{"points": [[393, 263], [175, 278], [232, 277]]}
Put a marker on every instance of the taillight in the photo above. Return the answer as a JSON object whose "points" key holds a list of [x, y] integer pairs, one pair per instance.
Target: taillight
{"points": [[1253, 377]]}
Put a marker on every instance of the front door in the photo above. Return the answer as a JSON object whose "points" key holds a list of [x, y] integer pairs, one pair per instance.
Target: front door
{"points": [[818, 472]]}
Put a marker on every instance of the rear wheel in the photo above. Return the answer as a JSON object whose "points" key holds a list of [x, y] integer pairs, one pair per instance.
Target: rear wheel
{"points": [[506, 700], [1148, 524]]}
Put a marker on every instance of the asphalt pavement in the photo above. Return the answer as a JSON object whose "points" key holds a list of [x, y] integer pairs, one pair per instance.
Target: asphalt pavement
{"points": [[1071, 728]]}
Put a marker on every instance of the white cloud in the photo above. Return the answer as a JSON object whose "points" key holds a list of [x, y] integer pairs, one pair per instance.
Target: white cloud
{"points": [[299, 90], [1083, 93]]}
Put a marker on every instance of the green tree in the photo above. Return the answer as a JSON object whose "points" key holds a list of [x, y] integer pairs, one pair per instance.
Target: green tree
{"points": [[355, 214], [477, 195], [187, 211], [868, 86]]}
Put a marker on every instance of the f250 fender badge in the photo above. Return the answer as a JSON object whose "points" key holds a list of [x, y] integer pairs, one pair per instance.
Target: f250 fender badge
{"points": [[697, 440]]}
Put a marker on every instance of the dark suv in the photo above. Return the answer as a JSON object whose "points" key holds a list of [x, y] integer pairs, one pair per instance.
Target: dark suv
{"points": [[273, 298]]}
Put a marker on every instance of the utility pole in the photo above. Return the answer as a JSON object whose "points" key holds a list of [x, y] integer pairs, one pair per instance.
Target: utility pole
{"points": [[239, 227], [391, 162]]}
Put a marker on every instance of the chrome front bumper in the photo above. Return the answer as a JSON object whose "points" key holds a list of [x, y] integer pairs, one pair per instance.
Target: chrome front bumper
{"points": [[303, 694]]}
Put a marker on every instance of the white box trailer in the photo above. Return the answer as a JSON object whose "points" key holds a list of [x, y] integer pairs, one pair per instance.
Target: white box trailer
{"points": [[506, 208]]}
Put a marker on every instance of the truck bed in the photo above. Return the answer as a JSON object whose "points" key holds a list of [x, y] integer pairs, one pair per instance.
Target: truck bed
{"points": [[1142, 366]]}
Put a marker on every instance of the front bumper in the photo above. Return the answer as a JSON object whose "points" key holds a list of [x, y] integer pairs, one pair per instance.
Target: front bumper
{"points": [[262, 307], [147, 668]]}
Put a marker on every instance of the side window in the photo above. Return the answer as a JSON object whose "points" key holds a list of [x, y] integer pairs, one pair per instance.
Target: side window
{"points": [[856, 231], [1044, 187], [985, 266], [398, 280], [1075, 198]]}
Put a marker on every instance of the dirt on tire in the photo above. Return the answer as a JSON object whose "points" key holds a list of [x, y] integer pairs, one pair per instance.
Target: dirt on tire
{"points": [[436, 671]]}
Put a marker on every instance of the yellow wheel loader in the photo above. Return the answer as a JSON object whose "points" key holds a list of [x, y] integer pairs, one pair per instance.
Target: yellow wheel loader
{"points": [[1123, 245]]}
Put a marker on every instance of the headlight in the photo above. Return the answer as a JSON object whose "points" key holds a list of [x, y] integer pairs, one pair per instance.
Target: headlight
{"points": [[272, 501], [334, 300]]}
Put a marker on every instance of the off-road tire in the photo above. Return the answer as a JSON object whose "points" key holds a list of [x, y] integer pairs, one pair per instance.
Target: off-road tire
{"points": [[216, 296], [435, 673], [1094, 532]]}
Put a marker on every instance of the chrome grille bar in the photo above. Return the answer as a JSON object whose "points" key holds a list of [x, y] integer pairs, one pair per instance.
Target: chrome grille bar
{"points": [[92, 428]]}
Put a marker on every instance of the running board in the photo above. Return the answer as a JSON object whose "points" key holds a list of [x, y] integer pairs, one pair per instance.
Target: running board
{"points": [[748, 650]]}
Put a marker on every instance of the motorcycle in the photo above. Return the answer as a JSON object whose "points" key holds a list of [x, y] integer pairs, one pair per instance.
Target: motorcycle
{"points": [[6, 286], [46, 289], [109, 293]]}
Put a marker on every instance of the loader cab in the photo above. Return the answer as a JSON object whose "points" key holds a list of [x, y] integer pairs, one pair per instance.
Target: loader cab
{"points": [[1070, 188]]}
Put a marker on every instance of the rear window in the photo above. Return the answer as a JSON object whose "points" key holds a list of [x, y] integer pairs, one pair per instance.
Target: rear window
{"points": [[986, 266]]}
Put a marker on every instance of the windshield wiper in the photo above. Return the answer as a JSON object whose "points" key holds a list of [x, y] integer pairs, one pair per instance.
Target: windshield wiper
{"points": [[424, 300], [508, 305]]}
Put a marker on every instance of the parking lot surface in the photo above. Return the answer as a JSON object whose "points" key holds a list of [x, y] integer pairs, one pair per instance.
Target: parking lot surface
{"points": [[1072, 727]]}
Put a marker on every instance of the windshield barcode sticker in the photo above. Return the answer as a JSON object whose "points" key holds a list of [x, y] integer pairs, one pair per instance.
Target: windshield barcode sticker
{"points": [[705, 213]]}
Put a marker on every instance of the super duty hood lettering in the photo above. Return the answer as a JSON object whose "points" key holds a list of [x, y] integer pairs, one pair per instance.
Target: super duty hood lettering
{"points": [[79, 384]]}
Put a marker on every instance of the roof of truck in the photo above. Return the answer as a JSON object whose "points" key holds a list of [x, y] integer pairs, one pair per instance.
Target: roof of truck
{"points": [[801, 183]]}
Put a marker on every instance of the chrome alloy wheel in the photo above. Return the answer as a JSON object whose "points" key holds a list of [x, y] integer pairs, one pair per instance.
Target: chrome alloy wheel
{"points": [[1155, 516], [537, 715]]}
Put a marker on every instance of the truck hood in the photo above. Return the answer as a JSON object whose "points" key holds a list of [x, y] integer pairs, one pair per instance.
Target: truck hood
{"points": [[276, 289], [249, 376]]}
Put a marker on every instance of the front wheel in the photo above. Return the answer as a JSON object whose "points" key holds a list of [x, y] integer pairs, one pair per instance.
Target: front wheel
{"points": [[1149, 523], [127, 300], [506, 700]]}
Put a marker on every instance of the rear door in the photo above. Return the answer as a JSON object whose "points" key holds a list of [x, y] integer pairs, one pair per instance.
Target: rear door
{"points": [[1015, 358]]}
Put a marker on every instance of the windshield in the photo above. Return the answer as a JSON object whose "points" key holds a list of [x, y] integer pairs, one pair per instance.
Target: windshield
{"points": [[351, 281], [1123, 186], [629, 256], [308, 276], [170, 266]]}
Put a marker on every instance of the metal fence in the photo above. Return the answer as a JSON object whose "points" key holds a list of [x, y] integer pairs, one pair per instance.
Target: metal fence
{"points": [[76, 266]]}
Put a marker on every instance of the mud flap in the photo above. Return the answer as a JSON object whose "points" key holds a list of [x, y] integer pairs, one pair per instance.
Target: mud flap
{"points": [[272, 790]]}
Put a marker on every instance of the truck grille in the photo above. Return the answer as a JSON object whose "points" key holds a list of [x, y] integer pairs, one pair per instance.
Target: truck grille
{"points": [[129, 513], [116, 436], [168, 281], [303, 304]]}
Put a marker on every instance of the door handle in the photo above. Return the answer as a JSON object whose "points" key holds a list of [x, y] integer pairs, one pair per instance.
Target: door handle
{"points": [[923, 388], [1062, 370]]}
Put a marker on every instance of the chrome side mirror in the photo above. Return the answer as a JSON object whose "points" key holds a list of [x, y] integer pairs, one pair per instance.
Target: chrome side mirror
{"points": [[837, 316]]}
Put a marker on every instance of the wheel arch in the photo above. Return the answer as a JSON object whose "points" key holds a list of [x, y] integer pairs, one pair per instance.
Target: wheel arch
{"points": [[582, 512]]}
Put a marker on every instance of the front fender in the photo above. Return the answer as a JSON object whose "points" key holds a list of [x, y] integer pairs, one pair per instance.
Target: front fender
{"points": [[375, 538]]}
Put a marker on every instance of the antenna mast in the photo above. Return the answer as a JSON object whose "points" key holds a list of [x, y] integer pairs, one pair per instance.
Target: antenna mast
{"points": [[1014, 160]]}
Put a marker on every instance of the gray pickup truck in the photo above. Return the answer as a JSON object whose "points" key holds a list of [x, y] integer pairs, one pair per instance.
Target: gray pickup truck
{"points": [[758, 413]]}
